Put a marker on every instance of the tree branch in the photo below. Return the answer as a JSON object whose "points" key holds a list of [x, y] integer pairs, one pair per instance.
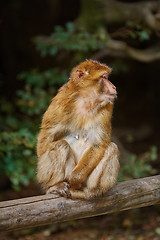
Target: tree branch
{"points": [[116, 48], [47, 209], [143, 11]]}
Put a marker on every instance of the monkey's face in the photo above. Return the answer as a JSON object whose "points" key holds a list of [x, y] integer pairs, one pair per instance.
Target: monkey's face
{"points": [[91, 77]]}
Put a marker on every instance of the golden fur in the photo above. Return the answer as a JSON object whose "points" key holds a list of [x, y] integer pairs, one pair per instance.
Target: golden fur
{"points": [[75, 156]]}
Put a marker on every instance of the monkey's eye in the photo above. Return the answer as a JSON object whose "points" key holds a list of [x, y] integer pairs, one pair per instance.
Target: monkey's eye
{"points": [[80, 73], [105, 76]]}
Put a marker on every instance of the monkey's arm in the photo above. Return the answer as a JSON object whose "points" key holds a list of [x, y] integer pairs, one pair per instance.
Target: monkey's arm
{"points": [[88, 162], [47, 138], [54, 167]]}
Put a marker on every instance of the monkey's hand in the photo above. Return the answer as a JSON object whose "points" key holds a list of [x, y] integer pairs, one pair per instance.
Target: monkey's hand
{"points": [[75, 180]]}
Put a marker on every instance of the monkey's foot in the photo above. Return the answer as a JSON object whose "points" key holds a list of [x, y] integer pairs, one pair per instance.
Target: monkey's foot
{"points": [[61, 189]]}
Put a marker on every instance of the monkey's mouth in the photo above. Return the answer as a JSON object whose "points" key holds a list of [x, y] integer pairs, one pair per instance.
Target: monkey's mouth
{"points": [[111, 96]]}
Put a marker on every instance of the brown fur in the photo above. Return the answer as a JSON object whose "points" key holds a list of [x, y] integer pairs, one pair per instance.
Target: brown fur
{"points": [[75, 134]]}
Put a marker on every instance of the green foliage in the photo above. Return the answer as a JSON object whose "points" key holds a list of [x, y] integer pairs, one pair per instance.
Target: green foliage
{"points": [[139, 32], [39, 88], [71, 40], [139, 166], [18, 156]]}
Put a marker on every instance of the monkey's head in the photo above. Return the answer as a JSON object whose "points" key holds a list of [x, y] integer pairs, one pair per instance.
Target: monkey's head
{"points": [[91, 77]]}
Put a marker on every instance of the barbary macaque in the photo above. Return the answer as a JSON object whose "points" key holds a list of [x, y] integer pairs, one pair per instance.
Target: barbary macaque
{"points": [[76, 158]]}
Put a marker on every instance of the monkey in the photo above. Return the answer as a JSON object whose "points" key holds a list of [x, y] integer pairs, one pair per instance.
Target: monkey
{"points": [[76, 158]]}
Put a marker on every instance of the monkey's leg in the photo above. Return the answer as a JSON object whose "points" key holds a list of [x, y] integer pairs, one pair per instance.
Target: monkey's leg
{"points": [[103, 177], [87, 164], [54, 168]]}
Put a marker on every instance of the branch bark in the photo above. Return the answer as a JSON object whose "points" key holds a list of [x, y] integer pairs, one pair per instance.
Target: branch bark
{"points": [[47, 209]]}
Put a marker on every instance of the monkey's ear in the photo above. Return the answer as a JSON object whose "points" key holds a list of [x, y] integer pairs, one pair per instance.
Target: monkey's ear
{"points": [[79, 73]]}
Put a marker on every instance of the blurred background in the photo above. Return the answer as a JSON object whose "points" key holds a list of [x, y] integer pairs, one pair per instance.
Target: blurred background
{"points": [[40, 42]]}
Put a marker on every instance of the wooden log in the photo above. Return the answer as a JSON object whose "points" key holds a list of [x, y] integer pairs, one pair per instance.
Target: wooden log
{"points": [[48, 209]]}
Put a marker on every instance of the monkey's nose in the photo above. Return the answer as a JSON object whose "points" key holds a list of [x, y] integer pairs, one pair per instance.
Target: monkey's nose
{"points": [[111, 85], [111, 88]]}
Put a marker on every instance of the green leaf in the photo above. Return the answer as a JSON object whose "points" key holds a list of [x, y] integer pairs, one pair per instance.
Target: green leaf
{"points": [[70, 27], [53, 51], [143, 36], [153, 153]]}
